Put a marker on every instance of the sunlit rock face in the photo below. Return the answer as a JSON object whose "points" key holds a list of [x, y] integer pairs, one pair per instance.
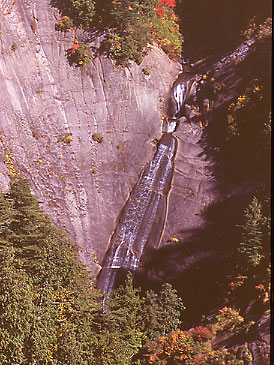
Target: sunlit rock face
{"points": [[52, 114], [141, 221]]}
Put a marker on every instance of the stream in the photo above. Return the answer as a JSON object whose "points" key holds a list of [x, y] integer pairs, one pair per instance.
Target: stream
{"points": [[142, 219]]}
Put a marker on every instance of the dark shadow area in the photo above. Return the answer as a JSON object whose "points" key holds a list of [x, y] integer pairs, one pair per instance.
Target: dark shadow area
{"points": [[102, 17], [212, 28], [245, 157], [199, 267]]}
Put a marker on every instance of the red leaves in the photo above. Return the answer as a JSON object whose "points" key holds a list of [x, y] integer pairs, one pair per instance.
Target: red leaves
{"points": [[201, 333], [160, 12], [74, 47], [170, 3]]}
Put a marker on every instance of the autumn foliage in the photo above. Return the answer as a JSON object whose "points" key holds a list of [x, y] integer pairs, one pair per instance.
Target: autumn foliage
{"points": [[130, 26]]}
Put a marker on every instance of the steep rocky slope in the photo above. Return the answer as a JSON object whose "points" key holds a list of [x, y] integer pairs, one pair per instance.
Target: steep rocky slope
{"points": [[83, 183], [52, 118]]}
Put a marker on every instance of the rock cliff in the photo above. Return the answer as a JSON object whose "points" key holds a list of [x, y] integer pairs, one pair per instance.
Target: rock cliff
{"points": [[53, 116], [81, 136]]}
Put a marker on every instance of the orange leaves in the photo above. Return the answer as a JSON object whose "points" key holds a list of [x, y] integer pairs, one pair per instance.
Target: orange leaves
{"points": [[79, 53], [74, 47]]}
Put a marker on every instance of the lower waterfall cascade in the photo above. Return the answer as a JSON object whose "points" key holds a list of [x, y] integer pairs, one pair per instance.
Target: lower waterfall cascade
{"points": [[142, 219]]}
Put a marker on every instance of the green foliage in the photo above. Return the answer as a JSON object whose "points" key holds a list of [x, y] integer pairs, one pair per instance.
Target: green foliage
{"points": [[166, 30], [250, 262], [44, 291], [16, 310], [78, 53], [171, 307], [161, 312], [121, 336], [129, 26], [152, 316], [129, 34], [135, 24], [252, 245], [49, 311], [80, 11], [228, 320]]}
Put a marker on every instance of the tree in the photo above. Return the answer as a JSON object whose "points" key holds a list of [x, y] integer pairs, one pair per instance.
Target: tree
{"points": [[152, 316], [254, 242], [50, 312], [161, 313], [16, 310], [171, 308], [121, 336], [44, 281]]}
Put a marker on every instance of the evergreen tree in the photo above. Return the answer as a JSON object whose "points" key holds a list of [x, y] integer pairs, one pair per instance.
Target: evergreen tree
{"points": [[42, 275], [16, 310], [121, 336], [253, 240], [152, 316], [171, 308], [161, 313]]}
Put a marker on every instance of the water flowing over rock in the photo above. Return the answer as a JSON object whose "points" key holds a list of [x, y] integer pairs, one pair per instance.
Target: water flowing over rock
{"points": [[142, 219], [50, 112], [82, 136]]}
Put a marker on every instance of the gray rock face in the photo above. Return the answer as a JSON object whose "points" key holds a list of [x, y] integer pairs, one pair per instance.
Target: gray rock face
{"points": [[50, 112], [142, 219]]}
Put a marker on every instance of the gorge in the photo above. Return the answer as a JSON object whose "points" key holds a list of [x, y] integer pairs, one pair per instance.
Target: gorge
{"points": [[132, 189]]}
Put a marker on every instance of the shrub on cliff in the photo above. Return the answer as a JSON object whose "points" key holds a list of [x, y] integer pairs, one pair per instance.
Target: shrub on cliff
{"points": [[129, 25], [135, 24], [81, 11], [196, 346]]}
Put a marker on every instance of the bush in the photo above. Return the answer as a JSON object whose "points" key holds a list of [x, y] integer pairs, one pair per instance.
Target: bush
{"points": [[78, 53], [130, 25], [249, 112], [188, 347], [80, 11], [64, 24], [135, 24]]}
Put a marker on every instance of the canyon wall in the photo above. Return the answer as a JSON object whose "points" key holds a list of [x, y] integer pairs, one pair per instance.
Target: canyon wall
{"points": [[53, 115]]}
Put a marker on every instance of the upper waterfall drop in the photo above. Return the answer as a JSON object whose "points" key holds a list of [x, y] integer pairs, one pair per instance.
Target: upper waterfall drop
{"points": [[142, 219], [182, 90]]}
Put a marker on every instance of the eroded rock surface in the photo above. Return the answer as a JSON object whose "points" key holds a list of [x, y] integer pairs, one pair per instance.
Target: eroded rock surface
{"points": [[50, 112]]}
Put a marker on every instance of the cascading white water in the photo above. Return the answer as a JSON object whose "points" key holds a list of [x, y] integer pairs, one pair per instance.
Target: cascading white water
{"points": [[142, 218], [136, 221]]}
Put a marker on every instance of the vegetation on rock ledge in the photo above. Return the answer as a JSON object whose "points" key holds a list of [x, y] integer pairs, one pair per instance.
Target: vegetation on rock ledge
{"points": [[129, 25]]}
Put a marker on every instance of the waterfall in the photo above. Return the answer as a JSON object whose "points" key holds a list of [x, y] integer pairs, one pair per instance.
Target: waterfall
{"points": [[142, 219]]}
